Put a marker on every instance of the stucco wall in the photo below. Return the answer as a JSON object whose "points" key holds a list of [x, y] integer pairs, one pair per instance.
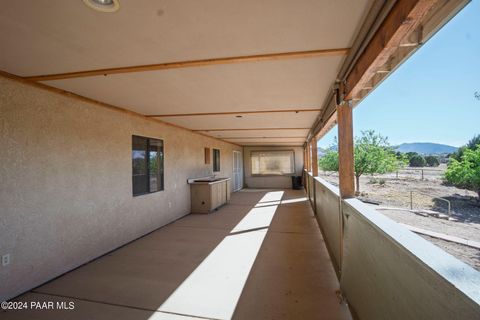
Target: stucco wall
{"points": [[270, 181], [389, 272], [66, 181]]}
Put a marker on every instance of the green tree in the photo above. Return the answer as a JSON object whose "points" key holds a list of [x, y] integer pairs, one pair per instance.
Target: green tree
{"points": [[432, 161], [466, 172], [329, 162], [411, 154], [372, 154], [417, 161], [471, 145]]}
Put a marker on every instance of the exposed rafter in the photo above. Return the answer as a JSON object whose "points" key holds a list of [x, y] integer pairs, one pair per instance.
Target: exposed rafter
{"points": [[98, 103], [250, 129], [398, 26], [231, 113], [247, 138], [193, 63]]}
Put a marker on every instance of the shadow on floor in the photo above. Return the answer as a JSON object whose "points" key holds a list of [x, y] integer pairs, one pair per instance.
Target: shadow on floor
{"points": [[274, 264], [463, 208]]}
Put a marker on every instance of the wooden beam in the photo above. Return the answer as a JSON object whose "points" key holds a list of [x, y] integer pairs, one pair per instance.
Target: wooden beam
{"points": [[78, 97], [304, 158], [401, 21], [345, 151], [230, 113], [250, 129], [266, 143], [314, 157], [263, 138], [308, 157], [193, 63]]}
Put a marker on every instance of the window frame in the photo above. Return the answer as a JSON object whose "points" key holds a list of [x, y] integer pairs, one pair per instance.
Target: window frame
{"points": [[272, 174], [216, 160], [147, 156]]}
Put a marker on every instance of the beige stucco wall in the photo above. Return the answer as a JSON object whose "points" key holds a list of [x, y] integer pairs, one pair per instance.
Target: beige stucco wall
{"points": [[270, 181], [66, 181]]}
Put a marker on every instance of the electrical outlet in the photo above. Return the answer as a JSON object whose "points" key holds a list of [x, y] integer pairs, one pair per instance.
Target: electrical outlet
{"points": [[6, 259]]}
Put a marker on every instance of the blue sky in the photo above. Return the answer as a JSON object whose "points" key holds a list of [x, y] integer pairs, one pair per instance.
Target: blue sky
{"points": [[430, 97]]}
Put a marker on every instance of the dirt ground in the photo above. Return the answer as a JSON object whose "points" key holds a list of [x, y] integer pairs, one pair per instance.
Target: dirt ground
{"points": [[465, 230], [407, 189]]}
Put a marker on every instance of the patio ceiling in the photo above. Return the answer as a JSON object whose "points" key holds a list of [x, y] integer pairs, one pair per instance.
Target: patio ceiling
{"points": [[47, 37], [248, 72]]}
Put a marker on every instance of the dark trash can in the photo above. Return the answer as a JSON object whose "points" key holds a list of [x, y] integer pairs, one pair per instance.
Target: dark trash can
{"points": [[297, 182]]}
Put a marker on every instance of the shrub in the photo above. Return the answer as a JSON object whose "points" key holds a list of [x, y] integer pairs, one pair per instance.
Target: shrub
{"points": [[465, 173], [417, 161], [329, 162], [372, 152], [411, 154], [471, 145], [432, 161]]}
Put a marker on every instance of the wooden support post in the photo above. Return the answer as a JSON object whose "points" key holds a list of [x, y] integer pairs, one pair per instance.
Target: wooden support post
{"points": [[305, 163], [308, 157], [305, 158], [314, 158], [345, 150]]}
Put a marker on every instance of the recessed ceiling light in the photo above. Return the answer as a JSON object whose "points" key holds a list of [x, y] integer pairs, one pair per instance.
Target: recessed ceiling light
{"points": [[103, 5]]}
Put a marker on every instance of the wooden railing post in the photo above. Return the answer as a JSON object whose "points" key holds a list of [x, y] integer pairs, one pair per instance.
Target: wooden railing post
{"points": [[345, 150], [314, 158], [309, 157]]}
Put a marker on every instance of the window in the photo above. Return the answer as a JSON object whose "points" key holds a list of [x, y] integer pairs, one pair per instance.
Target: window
{"points": [[275, 162], [147, 165], [207, 155], [216, 160]]}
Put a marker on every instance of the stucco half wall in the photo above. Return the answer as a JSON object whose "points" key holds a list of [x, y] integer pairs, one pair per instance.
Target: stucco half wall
{"points": [[252, 181], [66, 181]]}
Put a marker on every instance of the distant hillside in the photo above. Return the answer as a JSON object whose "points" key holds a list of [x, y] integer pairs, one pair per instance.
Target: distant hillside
{"points": [[425, 148]]}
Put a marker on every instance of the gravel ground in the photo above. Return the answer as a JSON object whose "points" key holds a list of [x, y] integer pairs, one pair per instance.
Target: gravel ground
{"points": [[469, 231], [470, 256]]}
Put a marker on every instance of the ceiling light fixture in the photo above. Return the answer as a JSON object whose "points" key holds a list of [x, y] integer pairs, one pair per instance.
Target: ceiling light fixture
{"points": [[103, 5]]}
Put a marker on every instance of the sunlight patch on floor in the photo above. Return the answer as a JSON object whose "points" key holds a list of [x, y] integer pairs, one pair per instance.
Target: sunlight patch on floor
{"points": [[294, 200], [213, 289]]}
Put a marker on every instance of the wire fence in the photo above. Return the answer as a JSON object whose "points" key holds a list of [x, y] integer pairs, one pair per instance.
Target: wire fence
{"points": [[416, 174], [417, 201]]}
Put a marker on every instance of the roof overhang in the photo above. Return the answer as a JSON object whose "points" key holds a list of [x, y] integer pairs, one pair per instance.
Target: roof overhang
{"points": [[399, 29], [249, 73]]}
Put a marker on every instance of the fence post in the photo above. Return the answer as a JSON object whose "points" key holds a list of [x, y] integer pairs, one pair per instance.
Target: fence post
{"points": [[422, 174]]}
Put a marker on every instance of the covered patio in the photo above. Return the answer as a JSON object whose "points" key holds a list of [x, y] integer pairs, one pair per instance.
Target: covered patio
{"points": [[110, 111], [261, 256]]}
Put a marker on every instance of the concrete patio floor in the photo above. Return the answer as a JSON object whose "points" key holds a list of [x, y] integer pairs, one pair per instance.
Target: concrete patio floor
{"points": [[196, 268]]}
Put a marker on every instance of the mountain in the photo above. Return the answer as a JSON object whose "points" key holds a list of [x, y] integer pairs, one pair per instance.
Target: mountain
{"points": [[425, 148]]}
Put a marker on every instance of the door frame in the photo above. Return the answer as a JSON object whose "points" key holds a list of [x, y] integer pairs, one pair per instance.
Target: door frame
{"points": [[234, 184]]}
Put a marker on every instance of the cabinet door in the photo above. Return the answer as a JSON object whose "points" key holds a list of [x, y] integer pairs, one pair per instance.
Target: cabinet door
{"points": [[223, 191], [214, 196], [220, 193], [228, 186]]}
